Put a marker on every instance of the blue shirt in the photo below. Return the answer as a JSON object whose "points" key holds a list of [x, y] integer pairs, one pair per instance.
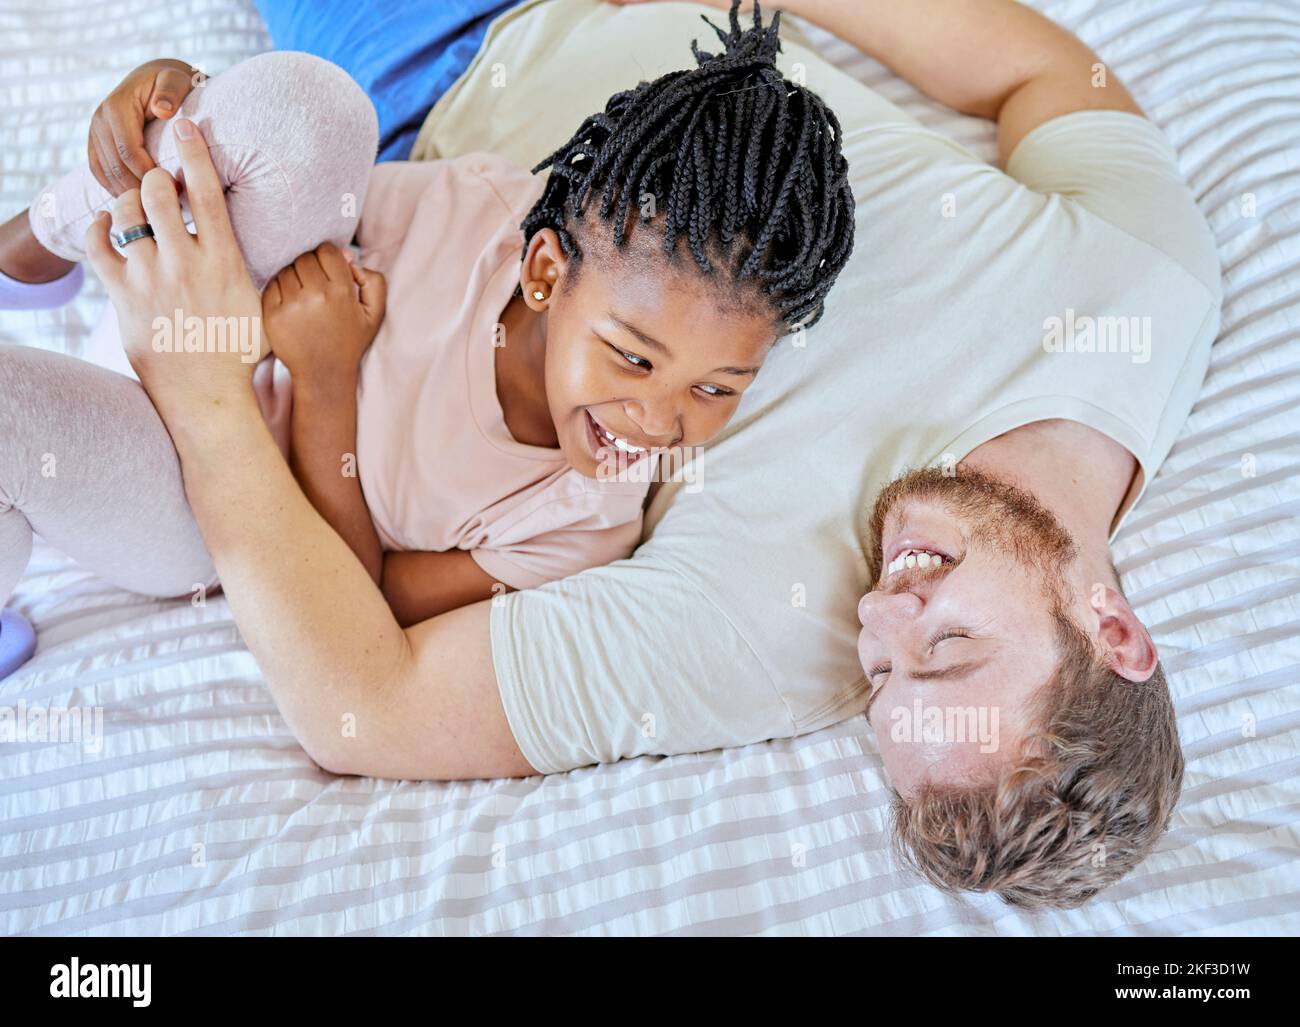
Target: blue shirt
{"points": [[404, 54]]}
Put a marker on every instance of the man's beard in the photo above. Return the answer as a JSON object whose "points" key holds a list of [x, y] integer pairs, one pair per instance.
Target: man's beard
{"points": [[992, 513]]}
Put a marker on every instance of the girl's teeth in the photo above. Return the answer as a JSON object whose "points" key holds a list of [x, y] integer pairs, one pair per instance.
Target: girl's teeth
{"points": [[618, 443]]}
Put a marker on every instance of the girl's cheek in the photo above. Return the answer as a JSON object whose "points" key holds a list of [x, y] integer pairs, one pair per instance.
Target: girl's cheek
{"points": [[703, 427], [583, 371]]}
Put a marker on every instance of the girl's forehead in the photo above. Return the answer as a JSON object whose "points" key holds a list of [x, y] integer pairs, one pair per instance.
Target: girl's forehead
{"points": [[669, 296], [640, 273], [678, 303]]}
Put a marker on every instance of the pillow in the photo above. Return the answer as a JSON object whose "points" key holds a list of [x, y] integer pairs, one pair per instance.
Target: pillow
{"points": [[404, 54]]}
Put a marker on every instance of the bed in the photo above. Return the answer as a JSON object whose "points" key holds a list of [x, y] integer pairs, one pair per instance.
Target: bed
{"points": [[201, 814]]}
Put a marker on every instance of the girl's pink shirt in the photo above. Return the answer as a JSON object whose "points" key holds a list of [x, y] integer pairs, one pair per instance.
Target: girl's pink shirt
{"points": [[438, 466]]}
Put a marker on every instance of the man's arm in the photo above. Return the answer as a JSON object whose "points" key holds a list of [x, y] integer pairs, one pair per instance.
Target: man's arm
{"points": [[361, 695], [995, 59]]}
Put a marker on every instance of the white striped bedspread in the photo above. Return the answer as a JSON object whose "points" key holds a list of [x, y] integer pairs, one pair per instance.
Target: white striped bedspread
{"points": [[201, 815]]}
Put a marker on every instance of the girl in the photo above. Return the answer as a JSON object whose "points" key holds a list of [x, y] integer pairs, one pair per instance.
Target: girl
{"points": [[503, 420]]}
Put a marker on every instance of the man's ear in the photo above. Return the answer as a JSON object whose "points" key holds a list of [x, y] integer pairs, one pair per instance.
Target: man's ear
{"points": [[1123, 640], [544, 261]]}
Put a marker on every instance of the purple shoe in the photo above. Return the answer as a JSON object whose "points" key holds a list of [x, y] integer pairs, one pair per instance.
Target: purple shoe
{"points": [[16, 295], [17, 641]]}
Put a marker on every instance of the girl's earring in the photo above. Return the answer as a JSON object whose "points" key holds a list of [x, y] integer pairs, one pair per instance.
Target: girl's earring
{"points": [[539, 291]]}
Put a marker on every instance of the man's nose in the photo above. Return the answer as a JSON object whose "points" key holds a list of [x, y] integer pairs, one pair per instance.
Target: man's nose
{"points": [[883, 613]]}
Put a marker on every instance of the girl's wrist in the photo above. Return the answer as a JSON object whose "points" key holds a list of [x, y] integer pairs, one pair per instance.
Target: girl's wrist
{"points": [[324, 383]]}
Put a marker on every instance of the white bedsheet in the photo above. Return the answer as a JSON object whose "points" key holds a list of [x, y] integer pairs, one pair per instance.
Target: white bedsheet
{"points": [[202, 815]]}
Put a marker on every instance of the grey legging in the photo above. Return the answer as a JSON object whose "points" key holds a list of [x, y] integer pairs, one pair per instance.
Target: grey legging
{"points": [[85, 461]]}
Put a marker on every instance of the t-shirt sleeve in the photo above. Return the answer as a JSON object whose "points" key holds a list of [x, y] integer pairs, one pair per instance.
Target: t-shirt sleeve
{"points": [[396, 189], [430, 194], [1120, 167], [625, 660], [552, 555]]}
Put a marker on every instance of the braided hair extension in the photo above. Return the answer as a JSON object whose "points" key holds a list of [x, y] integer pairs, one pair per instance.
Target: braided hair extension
{"points": [[743, 165]]}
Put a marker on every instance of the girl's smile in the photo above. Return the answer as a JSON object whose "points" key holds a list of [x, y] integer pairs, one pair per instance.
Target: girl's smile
{"points": [[601, 439]]}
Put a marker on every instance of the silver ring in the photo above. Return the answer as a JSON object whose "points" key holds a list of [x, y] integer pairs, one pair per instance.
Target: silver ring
{"points": [[129, 235]]}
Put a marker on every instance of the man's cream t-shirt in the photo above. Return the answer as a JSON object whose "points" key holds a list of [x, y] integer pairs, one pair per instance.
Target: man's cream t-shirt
{"points": [[1083, 283]]}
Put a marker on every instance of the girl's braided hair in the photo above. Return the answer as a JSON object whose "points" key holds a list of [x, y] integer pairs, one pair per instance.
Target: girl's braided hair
{"points": [[743, 165]]}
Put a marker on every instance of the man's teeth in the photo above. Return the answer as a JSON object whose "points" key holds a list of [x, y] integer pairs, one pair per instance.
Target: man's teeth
{"points": [[618, 443], [910, 558]]}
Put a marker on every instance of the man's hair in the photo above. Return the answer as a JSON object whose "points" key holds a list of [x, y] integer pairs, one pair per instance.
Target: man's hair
{"points": [[744, 165], [1090, 794]]}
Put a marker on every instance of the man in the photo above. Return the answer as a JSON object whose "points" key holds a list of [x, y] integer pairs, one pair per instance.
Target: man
{"points": [[964, 333]]}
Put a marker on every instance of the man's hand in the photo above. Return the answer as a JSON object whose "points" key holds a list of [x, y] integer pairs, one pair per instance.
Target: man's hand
{"points": [[359, 693], [115, 146], [321, 313], [190, 318]]}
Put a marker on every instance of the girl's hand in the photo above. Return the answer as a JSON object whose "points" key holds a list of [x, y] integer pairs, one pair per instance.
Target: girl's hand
{"points": [[118, 159], [321, 313]]}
